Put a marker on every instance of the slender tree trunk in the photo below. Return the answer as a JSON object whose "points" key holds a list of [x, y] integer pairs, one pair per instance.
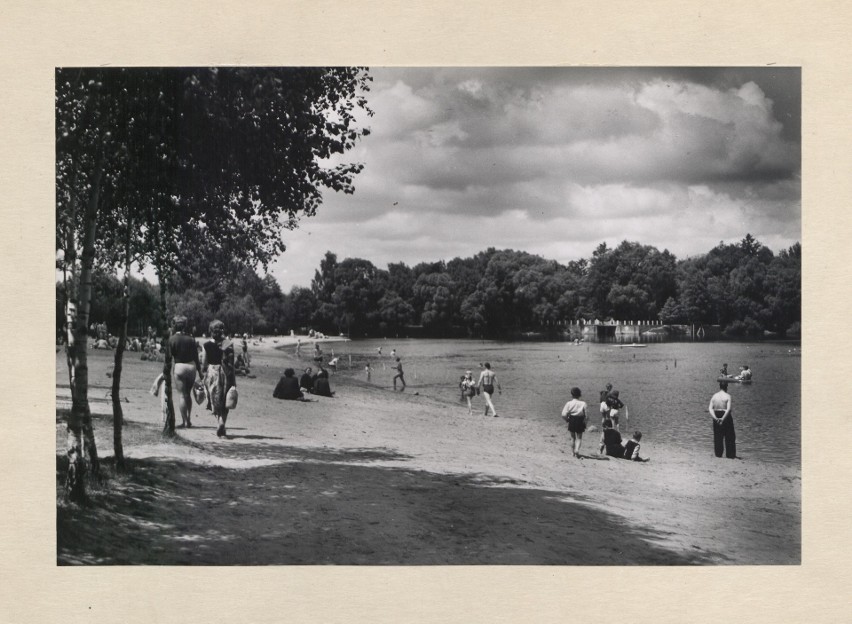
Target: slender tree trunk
{"points": [[117, 412], [80, 420], [69, 291], [169, 421]]}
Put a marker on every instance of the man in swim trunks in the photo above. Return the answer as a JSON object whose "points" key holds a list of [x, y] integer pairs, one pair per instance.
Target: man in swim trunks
{"points": [[487, 381], [724, 438]]}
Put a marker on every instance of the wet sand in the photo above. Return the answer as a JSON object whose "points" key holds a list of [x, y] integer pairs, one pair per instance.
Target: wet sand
{"points": [[373, 476]]}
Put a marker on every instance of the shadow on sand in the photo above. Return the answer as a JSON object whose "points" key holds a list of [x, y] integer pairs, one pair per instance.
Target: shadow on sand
{"points": [[329, 507]]}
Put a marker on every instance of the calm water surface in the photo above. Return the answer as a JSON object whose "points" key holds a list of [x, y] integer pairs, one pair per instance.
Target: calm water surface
{"points": [[666, 386]]}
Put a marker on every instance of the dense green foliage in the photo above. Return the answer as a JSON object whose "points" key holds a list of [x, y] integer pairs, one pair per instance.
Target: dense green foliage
{"points": [[744, 288]]}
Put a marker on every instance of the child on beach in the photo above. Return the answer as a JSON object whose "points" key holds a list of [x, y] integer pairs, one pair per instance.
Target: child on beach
{"points": [[615, 405], [631, 448], [611, 440], [368, 371], [604, 408], [468, 388], [574, 414]]}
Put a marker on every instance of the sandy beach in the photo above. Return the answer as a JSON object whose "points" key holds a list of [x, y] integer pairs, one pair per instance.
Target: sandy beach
{"points": [[373, 476]]}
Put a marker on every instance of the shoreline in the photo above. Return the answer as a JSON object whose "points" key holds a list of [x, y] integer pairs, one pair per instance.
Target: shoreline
{"points": [[681, 504]]}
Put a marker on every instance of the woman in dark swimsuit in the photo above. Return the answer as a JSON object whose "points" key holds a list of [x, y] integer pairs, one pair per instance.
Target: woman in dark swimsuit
{"points": [[182, 362], [219, 375]]}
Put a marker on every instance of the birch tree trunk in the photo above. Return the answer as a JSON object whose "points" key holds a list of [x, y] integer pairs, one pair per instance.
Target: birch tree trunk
{"points": [[79, 425], [117, 412]]}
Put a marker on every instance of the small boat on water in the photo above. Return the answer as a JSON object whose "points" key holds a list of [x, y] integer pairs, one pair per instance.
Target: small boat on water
{"points": [[633, 345], [734, 380]]}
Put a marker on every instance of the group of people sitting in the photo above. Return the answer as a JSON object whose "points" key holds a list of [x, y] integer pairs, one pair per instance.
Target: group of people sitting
{"points": [[614, 446], [291, 389]]}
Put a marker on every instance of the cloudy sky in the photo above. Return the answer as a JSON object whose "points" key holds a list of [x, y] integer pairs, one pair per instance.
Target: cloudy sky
{"points": [[554, 161]]}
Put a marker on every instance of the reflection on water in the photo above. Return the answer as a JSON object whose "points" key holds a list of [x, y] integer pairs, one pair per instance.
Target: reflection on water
{"points": [[666, 386]]}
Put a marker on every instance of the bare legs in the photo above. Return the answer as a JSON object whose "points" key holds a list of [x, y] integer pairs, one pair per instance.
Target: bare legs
{"points": [[184, 376], [576, 442], [488, 404]]}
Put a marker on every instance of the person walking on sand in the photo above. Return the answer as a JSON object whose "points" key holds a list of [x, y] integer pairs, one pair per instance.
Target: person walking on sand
{"points": [[487, 381], [298, 347], [217, 365], [468, 388], [182, 362], [724, 437], [574, 414], [399, 374]]}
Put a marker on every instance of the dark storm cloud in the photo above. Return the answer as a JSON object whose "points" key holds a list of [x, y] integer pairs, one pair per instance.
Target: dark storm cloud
{"points": [[555, 160]]}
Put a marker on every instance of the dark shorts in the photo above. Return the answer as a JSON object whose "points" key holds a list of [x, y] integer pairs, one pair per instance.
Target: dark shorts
{"points": [[576, 424]]}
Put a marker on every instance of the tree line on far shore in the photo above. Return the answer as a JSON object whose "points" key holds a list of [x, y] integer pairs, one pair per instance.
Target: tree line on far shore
{"points": [[744, 288]]}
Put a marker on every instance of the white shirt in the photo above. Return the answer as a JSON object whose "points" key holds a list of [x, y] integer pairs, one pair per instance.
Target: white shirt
{"points": [[574, 407]]}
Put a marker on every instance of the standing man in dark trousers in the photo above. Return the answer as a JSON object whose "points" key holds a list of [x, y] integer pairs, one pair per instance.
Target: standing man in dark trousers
{"points": [[724, 438]]}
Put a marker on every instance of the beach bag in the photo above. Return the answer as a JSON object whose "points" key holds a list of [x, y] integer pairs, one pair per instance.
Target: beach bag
{"points": [[198, 393], [155, 388], [231, 398]]}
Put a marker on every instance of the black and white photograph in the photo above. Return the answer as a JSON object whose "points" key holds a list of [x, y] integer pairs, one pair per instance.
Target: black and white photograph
{"points": [[428, 316], [440, 312]]}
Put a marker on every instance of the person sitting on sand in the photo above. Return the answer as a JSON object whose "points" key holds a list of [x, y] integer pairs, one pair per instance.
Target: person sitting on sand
{"points": [[615, 405], [240, 365], [288, 387], [574, 414], [306, 383], [611, 440], [631, 448], [321, 384]]}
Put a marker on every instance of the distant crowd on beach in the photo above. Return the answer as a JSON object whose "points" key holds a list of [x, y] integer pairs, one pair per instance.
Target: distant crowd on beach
{"points": [[206, 372]]}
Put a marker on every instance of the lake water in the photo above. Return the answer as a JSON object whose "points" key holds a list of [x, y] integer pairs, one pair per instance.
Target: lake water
{"points": [[666, 386]]}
